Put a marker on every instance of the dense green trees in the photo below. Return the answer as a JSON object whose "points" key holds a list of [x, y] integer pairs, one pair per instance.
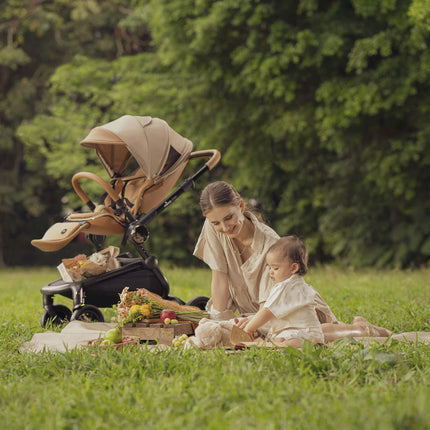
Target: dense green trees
{"points": [[319, 108]]}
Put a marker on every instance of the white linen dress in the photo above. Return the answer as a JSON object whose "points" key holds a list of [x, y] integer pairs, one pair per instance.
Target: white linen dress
{"points": [[299, 311]]}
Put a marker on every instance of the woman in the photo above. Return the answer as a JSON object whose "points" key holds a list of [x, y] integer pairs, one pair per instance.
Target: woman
{"points": [[234, 243]]}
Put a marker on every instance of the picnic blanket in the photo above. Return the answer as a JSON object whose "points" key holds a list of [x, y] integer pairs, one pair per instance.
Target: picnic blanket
{"points": [[240, 338], [77, 334], [211, 333]]}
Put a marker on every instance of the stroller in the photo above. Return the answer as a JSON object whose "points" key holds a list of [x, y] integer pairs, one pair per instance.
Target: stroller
{"points": [[144, 158]]}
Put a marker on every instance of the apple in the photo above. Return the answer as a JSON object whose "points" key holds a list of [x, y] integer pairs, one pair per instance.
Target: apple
{"points": [[113, 335], [167, 313]]}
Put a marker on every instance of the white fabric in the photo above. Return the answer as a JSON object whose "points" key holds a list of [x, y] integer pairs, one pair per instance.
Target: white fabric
{"points": [[296, 307], [249, 282], [73, 335]]}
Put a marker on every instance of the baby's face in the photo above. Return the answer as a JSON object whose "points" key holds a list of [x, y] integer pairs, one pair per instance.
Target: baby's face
{"points": [[280, 269]]}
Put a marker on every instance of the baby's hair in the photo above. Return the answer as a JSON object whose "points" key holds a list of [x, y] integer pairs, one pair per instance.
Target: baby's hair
{"points": [[293, 249], [216, 194]]}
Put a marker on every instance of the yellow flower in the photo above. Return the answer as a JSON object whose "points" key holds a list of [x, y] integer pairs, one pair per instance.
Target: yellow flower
{"points": [[135, 308], [146, 312]]}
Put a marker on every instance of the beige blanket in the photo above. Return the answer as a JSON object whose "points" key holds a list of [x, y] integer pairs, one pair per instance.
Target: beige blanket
{"points": [[212, 333], [209, 334]]}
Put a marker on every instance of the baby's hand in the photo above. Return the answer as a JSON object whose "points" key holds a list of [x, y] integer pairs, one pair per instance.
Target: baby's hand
{"points": [[241, 323]]}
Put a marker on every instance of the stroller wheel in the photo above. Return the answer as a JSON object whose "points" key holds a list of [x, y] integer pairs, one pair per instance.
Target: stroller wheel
{"points": [[88, 313], [199, 302], [175, 299], [62, 315]]}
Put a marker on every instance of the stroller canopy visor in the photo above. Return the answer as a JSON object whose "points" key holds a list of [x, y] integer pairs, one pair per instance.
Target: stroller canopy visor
{"points": [[156, 147]]}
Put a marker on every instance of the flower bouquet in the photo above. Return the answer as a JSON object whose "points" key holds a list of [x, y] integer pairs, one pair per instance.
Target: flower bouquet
{"points": [[142, 305], [81, 267]]}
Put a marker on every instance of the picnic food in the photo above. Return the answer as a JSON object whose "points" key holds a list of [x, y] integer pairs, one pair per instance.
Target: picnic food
{"points": [[114, 335], [167, 315], [142, 304], [179, 340]]}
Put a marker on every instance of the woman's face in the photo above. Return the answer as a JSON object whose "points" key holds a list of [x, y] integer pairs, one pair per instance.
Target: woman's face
{"points": [[227, 219]]}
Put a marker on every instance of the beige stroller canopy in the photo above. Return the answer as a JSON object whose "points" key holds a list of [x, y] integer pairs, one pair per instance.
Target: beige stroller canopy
{"points": [[156, 147]]}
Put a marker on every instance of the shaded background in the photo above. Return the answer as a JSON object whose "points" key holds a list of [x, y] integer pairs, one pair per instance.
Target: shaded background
{"points": [[319, 108]]}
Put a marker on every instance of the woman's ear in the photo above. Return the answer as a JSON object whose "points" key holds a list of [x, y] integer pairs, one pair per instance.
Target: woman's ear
{"points": [[295, 268], [242, 205]]}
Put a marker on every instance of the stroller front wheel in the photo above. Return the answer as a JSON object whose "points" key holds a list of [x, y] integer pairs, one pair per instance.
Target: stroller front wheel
{"points": [[88, 313], [61, 315]]}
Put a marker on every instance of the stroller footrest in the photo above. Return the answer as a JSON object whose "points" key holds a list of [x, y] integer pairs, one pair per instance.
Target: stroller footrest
{"points": [[59, 235]]}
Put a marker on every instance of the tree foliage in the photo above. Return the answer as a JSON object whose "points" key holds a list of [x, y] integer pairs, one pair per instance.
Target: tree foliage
{"points": [[319, 109]]}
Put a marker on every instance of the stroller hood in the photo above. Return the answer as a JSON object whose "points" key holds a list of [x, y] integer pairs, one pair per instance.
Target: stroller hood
{"points": [[158, 149]]}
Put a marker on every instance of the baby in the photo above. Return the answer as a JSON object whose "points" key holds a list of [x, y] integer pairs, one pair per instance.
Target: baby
{"points": [[294, 310]]}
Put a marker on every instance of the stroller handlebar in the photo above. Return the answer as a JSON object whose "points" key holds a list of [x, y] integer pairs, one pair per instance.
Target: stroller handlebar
{"points": [[214, 154], [81, 193]]}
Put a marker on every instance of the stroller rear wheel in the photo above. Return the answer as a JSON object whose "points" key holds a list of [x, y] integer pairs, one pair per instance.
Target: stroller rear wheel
{"points": [[61, 315], [88, 313], [199, 301]]}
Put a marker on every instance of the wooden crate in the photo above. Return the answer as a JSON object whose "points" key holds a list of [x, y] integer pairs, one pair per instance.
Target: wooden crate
{"points": [[156, 331]]}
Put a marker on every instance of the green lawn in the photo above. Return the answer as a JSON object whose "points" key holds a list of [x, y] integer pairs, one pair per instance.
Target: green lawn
{"points": [[345, 386]]}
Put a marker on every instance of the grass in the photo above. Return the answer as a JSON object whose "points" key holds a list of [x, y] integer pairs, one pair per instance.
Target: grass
{"points": [[345, 386]]}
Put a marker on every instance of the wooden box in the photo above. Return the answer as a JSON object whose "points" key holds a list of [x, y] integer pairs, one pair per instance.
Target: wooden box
{"points": [[156, 331]]}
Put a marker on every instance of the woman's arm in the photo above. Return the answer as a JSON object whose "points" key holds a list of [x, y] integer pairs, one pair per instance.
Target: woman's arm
{"points": [[219, 290]]}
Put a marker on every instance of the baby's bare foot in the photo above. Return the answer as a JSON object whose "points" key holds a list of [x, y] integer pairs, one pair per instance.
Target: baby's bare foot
{"points": [[370, 329]]}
